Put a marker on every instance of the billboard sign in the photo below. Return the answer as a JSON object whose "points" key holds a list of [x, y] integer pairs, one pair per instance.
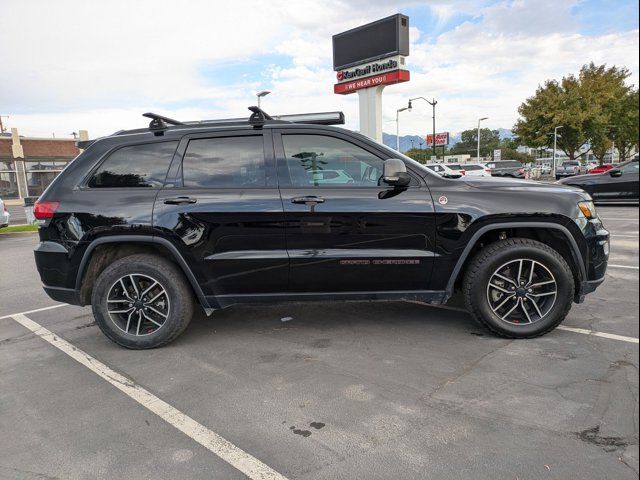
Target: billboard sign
{"points": [[442, 139], [380, 39]]}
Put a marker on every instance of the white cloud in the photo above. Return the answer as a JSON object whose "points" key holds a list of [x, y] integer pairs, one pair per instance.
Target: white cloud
{"points": [[72, 64]]}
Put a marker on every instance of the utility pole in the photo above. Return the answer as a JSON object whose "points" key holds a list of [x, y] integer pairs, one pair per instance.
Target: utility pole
{"points": [[433, 104]]}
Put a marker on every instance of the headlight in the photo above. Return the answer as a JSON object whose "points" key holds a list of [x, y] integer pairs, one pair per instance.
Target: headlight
{"points": [[588, 209]]}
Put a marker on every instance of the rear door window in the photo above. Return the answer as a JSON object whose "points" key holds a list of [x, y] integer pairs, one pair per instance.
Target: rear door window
{"points": [[135, 166], [224, 162]]}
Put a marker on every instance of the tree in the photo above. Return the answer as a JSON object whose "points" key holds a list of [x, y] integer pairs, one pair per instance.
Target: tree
{"points": [[489, 141], [418, 154], [625, 124], [583, 105]]}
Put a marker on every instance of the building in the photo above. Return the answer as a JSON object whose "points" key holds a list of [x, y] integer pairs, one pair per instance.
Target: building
{"points": [[28, 164], [462, 158]]}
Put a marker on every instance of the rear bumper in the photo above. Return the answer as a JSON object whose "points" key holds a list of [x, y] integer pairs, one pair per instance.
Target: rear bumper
{"points": [[64, 295]]}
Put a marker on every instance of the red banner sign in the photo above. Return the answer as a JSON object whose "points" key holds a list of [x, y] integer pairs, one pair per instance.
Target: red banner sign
{"points": [[389, 78], [442, 139]]}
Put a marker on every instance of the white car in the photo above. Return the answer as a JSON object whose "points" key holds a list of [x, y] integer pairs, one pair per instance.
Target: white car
{"points": [[4, 215], [476, 170], [443, 170], [457, 167]]}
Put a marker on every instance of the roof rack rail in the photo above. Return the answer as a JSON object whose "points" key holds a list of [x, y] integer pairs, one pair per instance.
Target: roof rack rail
{"points": [[258, 118]]}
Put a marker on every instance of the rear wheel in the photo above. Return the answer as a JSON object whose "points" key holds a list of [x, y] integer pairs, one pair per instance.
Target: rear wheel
{"points": [[142, 301], [519, 288]]}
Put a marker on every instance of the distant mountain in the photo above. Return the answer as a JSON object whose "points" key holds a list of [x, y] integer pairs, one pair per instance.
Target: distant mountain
{"points": [[413, 141]]}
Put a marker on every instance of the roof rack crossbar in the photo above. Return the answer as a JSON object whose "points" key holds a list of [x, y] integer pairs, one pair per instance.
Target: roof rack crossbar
{"points": [[155, 116], [158, 123]]}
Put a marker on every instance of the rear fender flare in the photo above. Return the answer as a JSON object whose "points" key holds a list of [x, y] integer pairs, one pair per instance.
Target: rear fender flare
{"points": [[149, 240]]}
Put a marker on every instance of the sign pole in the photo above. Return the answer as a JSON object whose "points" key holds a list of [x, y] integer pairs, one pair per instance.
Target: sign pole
{"points": [[370, 103]]}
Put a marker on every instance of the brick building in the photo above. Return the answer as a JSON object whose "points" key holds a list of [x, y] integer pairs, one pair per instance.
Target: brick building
{"points": [[28, 165]]}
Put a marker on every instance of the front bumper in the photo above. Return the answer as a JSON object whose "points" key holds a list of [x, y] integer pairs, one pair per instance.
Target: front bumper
{"points": [[597, 256], [587, 287]]}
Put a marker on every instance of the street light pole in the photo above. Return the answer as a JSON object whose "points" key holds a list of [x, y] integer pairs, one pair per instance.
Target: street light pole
{"points": [[480, 120], [398, 126], [261, 94], [555, 146], [433, 104]]}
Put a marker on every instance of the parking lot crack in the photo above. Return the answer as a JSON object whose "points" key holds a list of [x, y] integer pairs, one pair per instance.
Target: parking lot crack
{"points": [[465, 371]]}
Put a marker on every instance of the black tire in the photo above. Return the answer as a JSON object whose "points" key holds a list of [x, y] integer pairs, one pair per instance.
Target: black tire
{"points": [[490, 259], [180, 303]]}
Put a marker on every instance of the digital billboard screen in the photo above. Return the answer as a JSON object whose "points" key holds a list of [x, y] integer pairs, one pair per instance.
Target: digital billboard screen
{"points": [[382, 38]]}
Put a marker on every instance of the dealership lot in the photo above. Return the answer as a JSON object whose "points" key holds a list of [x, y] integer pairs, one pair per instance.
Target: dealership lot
{"points": [[339, 390]]}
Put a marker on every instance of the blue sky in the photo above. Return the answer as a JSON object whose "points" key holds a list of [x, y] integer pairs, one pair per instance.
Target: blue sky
{"points": [[62, 73]]}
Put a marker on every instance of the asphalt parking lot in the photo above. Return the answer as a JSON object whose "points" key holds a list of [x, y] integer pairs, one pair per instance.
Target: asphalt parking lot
{"points": [[339, 391]]}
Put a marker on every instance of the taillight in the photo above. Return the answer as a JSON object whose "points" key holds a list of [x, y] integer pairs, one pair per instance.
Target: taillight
{"points": [[521, 170], [463, 172], [44, 210], [488, 170]]}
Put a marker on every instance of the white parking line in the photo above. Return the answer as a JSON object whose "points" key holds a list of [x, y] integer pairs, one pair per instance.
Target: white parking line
{"points": [[227, 451], [626, 236], [611, 336], [630, 267], [36, 310], [619, 218]]}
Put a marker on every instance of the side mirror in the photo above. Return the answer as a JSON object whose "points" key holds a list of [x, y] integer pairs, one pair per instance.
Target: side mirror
{"points": [[395, 173], [616, 172]]}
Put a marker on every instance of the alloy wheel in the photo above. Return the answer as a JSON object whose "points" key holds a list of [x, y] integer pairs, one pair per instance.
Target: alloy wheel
{"points": [[138, 304], [522, 291]]}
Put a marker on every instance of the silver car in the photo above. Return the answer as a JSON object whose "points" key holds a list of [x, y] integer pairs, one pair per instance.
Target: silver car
{"points": [[4, 215]]}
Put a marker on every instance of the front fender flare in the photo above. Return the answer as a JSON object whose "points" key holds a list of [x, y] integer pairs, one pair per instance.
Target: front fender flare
{"points": [[575, 250]]}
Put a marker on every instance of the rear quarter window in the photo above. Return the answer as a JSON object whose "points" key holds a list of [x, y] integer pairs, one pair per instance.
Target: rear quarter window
{"points": [[135, 166]]}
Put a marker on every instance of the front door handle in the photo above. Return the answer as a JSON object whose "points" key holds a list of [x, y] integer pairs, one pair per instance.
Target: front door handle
{"points": [[309, 200], [179, 200]]}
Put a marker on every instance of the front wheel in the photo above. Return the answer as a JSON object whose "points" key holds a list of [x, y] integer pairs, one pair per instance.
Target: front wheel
{"points": [[142, 301], [519, 288]]}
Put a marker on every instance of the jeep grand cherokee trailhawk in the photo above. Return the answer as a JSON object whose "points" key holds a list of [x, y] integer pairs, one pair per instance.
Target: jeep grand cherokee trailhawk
{"points": [[146, 224]]}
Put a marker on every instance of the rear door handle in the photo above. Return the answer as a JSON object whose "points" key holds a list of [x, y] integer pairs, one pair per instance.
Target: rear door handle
{"points": [[179, 200], [310, 200]]}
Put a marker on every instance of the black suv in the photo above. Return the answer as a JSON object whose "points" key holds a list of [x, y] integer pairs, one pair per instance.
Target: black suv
{"points": [[146, 223]]}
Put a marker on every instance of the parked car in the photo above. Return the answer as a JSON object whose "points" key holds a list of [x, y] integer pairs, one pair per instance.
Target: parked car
{"points": [[477, 170], [443, 170], [620, 184], [545, 169], [506, 168], [457, 168], [569, 169], [4, 215], [147, 224], [600, 168]]}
